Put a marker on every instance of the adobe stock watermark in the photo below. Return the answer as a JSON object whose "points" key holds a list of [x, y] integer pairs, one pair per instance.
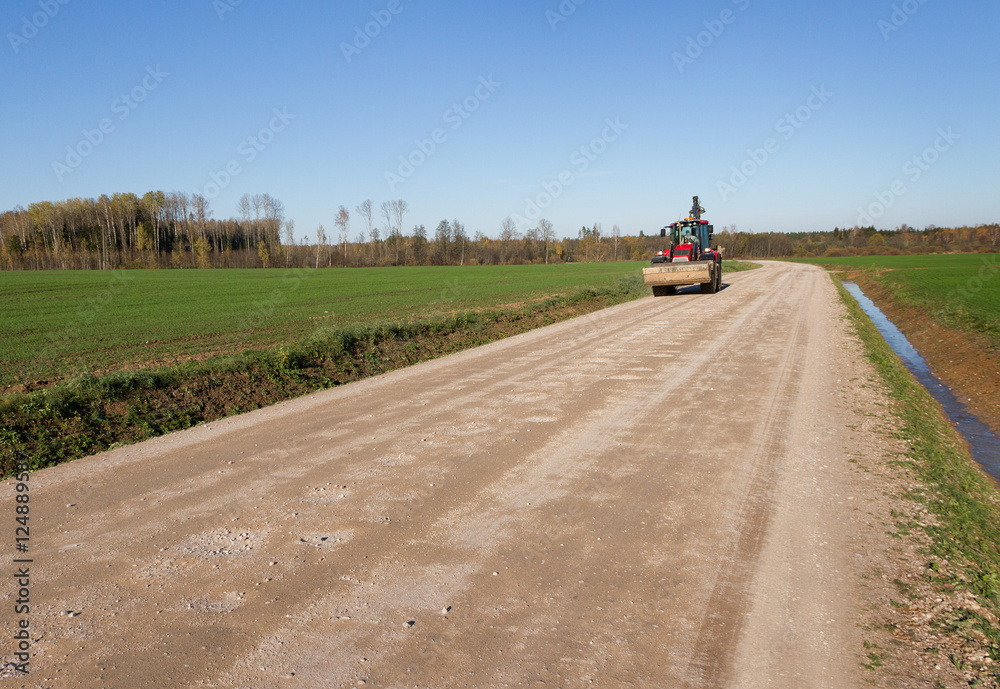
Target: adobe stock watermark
{"points": [[454, 117], [787, 126], [566, 9], [30, 26], [452, 290], [580, 161], [989, 269], [363, 37], [248, 150], [97, 307], [901, 14], [122, 107], [291, 282], [696, 45], [913, 170], [224, 7]]}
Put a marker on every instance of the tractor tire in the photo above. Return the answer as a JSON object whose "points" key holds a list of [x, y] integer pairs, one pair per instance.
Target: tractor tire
{"points": [[709, 287], [664, 290], [718, 278]]}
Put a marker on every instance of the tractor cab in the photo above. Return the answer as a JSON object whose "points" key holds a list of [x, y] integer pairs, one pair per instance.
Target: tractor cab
{"points": [[690, 239]]}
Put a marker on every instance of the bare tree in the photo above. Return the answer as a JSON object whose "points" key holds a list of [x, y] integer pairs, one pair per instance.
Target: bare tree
{"points": [[153, 203], [364, 209], [442, 238], [181, 199], [273, 211], [257, 202], [399, 210], [289, 238], [387, 209], [245, 208], [389, 214], [616, 234], [343, 223], [508, 233], [545, 229], [104, 220], [458, 235], [320, 241], [508, 229], [201, 211]]}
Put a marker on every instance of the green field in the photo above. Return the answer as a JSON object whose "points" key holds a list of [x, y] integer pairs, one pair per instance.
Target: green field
{"points": [[959, 290], [55, 324]]}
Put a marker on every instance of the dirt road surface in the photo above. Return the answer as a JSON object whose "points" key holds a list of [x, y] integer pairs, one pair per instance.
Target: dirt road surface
{"points": [[658, 494]]}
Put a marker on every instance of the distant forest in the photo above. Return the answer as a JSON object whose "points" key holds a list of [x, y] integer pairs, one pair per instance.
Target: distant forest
{"points": [[175, 230]]}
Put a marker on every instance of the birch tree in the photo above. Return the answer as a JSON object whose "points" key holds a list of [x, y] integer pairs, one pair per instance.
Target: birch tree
{"points": [[343, 223], [364, 210], [320, 241], [545, 230]]}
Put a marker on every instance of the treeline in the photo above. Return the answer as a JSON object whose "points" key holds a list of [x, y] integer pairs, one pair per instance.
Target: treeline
{"points": [[124, 230], [176, 230], [860, 241]]}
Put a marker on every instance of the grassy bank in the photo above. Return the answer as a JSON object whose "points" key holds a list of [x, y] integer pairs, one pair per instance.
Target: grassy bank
{"points": [[91, 413], [963, 503], [738, 266]]}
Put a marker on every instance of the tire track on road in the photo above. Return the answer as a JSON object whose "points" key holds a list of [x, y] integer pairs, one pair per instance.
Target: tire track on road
{"points": [[723, 620]]}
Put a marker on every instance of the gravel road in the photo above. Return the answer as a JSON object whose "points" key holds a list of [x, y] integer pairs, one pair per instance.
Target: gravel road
{"points": [[658, 494]]}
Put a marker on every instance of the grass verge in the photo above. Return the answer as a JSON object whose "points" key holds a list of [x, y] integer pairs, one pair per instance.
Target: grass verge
{"points": [[89, 414], [964, 530], [738, 266]]}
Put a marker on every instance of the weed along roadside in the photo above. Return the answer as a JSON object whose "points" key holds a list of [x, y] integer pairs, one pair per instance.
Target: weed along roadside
{"points": [[89, 414], [949, 612]]}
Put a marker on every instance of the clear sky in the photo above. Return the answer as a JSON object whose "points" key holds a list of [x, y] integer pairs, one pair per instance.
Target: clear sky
{"points": [[781, 115]]}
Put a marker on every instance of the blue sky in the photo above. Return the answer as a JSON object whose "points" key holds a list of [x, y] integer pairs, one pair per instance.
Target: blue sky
{"points": [[786, 116]]}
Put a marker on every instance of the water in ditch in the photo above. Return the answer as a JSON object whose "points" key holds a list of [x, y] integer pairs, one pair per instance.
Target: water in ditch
{"points": [[984, 444]]}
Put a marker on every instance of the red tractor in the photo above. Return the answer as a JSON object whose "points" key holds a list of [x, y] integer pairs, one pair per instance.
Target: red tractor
{"points": [[689, 260]]}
